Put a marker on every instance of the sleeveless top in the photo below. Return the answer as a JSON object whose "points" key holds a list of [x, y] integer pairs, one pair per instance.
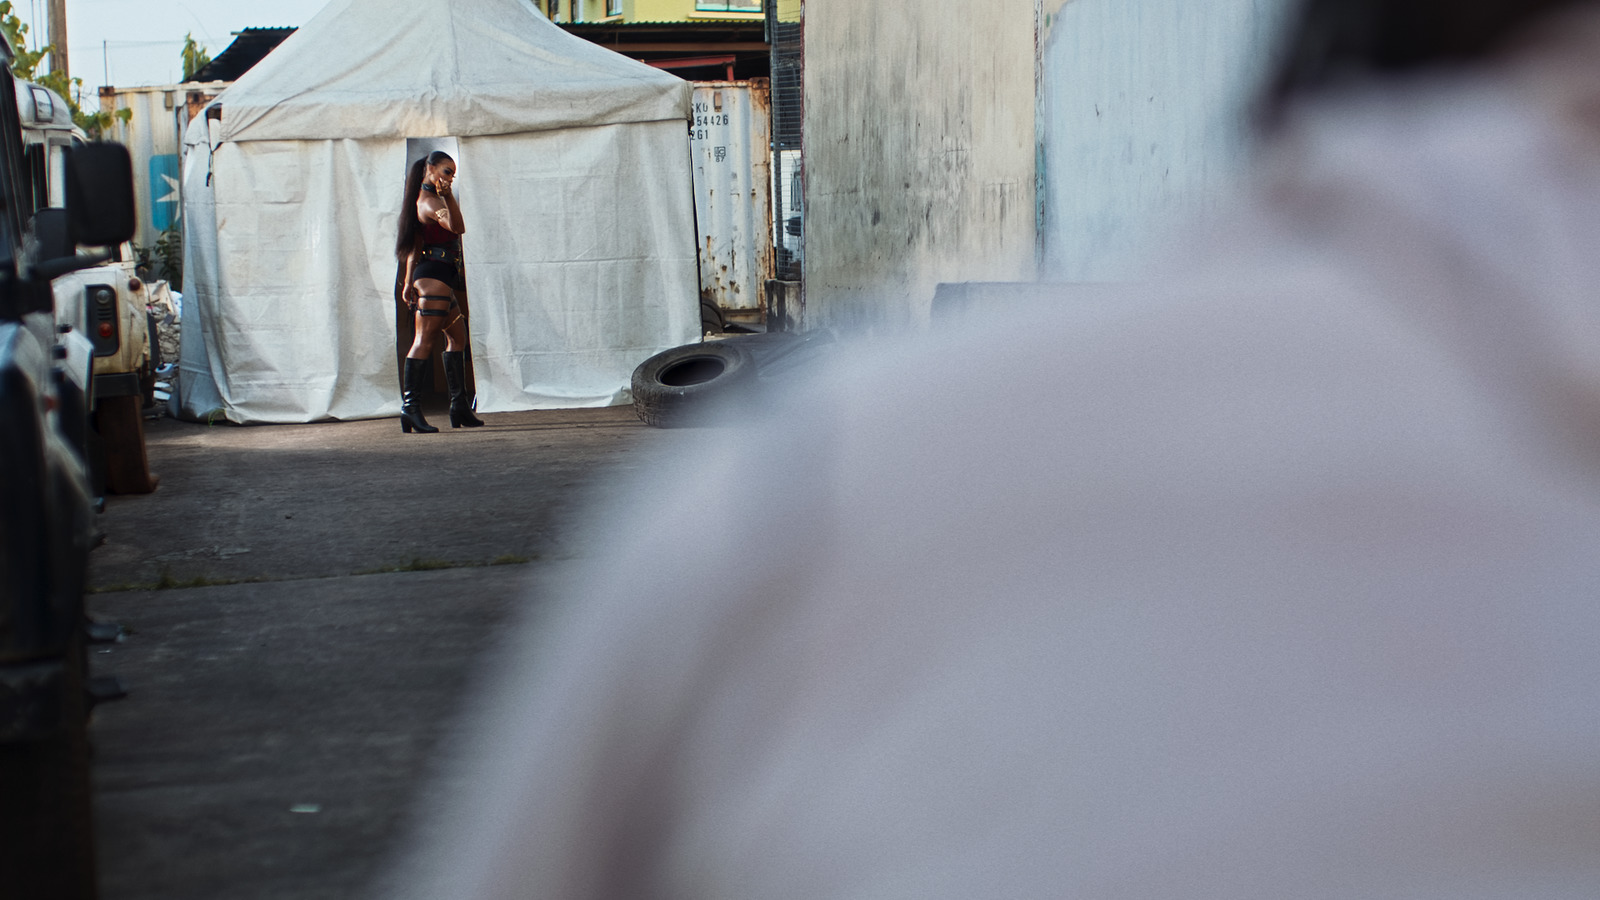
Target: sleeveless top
{"points": [[434, 233]]}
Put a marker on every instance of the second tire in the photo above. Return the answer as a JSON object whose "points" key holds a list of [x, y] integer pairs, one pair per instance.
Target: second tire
{"points": [[690, 385]]}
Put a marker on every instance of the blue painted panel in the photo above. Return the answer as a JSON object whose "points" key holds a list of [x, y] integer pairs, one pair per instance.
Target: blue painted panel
{"points": [[165, 204]]}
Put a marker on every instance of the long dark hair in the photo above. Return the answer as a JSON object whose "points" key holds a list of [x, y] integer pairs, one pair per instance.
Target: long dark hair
{"points": [[1334, 41], [406, 238]]}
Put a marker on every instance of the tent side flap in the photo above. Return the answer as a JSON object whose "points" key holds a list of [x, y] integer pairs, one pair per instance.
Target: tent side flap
{"points": [[579, 267], [580, 263], [299, 315]]}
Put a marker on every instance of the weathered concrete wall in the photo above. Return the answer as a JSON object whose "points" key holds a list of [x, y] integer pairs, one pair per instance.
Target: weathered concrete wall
{"points": [[1142, 120], [919, 149]]}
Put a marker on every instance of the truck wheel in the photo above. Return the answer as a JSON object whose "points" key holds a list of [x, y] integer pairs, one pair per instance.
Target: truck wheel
{"points": [[690, 385], [46, 839], [48, 836]]}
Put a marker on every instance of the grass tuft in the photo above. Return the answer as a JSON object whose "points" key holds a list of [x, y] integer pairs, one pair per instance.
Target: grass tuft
{"points": [[426, 565], [166, 581]]}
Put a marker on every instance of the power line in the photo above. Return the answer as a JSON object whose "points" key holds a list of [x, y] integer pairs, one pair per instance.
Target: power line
{"points": [[178, 41]]}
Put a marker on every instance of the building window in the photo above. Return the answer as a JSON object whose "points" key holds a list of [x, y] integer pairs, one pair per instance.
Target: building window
{"points": [[728, 5], [613, 7]]}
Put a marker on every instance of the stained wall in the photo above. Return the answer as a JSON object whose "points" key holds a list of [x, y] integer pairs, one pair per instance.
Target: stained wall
{"points": [[919, 154], [1144, 122]]}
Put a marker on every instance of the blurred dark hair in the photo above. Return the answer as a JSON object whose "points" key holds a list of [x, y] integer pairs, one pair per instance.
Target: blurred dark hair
{"points": [[406, 238], [1332, 41]]}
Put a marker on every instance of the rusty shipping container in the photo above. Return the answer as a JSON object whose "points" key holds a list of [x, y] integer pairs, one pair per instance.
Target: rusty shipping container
{"points": [[733, 195], [154, 138]]}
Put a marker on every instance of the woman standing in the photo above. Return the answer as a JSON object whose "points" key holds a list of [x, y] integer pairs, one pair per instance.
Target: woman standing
{"points": [[429, 244]]}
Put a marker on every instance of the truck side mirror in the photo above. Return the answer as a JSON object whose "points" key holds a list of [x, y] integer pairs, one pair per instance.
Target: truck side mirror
{"points": [[52, 233], [100, 194]]}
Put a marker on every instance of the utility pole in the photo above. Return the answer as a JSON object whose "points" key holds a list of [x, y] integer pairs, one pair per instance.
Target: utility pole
{"points": [[58, 38]]}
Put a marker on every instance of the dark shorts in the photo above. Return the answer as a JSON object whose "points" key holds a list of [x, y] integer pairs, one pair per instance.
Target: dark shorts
{"points": [[440, 270]]}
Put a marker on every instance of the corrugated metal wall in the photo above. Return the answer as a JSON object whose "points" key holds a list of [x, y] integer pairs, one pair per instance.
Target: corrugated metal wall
{"points": [[154, 137], [919, 154], [1143, 121]]}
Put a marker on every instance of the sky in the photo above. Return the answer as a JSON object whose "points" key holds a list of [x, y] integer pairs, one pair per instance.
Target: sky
{"points": [[136, 42]]}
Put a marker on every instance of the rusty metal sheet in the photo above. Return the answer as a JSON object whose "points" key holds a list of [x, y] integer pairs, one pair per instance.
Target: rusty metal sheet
{"points": [[154, 138], [729, 140]]}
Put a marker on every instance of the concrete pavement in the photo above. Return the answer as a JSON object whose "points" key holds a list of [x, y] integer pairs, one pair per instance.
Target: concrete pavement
{"points": [[307, 605]]}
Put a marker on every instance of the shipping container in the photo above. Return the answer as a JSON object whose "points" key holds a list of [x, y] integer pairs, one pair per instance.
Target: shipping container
{"points": [[154, 138], [733, 196]]}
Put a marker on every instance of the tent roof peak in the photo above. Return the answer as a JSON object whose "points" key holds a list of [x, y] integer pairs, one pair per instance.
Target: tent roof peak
{"points": [[374, 69]]}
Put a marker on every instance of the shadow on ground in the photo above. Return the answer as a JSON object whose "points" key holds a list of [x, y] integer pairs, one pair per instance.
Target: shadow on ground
{"points": [[283, 712]]}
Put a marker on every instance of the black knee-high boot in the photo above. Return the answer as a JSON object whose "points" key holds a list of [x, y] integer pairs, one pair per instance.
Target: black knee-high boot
{"points": [[455, 377], [410, 413]]}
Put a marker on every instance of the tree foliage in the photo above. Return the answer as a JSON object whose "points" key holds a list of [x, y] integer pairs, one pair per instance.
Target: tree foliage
{"points": [[195, 56], [26, 68]]}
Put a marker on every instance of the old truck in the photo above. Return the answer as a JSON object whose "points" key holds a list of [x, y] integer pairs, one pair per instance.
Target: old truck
{"points": [[107, 306], [46, 499]]}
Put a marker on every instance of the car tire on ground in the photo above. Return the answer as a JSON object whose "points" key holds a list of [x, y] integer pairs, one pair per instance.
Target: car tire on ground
{"points": [[688, 385], [711, 320]]}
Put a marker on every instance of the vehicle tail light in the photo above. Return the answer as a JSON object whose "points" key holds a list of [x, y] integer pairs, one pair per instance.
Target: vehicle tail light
{"points": [[104, 317]]}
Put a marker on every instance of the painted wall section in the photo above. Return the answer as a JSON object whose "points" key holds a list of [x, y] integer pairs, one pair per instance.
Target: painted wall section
{"points": [[649, 10], [920, 161], [1143, 121]]}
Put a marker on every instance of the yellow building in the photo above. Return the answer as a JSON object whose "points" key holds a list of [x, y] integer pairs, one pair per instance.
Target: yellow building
{"points": [[627, 11]]}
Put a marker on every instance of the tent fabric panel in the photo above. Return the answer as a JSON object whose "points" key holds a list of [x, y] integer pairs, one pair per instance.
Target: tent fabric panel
{"points": [[404, 113], [302, 326], [365, 68], [580, 261], [198, 394]]}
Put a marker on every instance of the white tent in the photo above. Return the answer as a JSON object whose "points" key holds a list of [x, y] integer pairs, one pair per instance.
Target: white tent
{"points": [[574, 185]]}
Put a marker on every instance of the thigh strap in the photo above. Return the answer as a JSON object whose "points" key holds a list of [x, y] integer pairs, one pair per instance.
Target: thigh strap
{"points": [[441, 313]]}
